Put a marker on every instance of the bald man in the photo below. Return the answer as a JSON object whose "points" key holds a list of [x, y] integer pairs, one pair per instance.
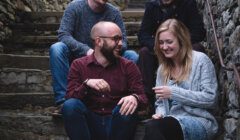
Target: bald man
{"points": [[104, 90]]}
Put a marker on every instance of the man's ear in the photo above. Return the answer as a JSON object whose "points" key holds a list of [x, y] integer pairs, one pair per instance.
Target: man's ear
{"points": [[98, 41]]}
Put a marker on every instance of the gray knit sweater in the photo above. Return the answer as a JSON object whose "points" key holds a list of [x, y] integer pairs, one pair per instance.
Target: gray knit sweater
{"points": [[77, 22], [194, 96]]}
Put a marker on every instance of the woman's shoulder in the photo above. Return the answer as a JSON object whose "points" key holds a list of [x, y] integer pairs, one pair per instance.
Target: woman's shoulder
{"points": [[200, 57]]}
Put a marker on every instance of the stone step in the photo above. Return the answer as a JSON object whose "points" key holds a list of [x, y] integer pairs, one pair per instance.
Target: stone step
{"points": [[26, 100], [24, 61], [15, 80], [39, 45], [132, 28], [55, 17], [43, 40], [32, 124]]}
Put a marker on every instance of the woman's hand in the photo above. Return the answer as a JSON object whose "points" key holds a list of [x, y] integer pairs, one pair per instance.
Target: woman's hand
{"points": [[156, 116], [162, 92]]}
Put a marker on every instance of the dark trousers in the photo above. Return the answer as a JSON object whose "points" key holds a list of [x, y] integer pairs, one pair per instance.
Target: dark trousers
{"points": [[148, 64], [167, 128], [83, 124]]}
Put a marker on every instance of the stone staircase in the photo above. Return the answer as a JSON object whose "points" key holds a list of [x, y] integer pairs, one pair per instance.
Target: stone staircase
{"points": [[26, 97]]}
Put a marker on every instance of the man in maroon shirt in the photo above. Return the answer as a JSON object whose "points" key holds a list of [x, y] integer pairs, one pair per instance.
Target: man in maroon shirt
{"points": [[104, 90]]}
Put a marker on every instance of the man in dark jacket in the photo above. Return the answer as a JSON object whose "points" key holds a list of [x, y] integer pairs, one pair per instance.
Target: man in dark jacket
{"points": [[157, 11]]}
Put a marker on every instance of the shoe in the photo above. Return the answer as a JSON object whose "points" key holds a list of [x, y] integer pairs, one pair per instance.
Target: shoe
{"points": [[57, 112]]}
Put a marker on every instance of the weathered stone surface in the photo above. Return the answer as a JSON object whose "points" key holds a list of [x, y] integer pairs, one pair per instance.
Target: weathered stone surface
{"points": [[233, 99], [234, 40], [24, 61], [31, 100], [229, 28], [230, 126], [32, 124], [22, 80]]}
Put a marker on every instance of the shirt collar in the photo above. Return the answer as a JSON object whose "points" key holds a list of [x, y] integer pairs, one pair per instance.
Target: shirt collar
{"points": [[92, 60]]}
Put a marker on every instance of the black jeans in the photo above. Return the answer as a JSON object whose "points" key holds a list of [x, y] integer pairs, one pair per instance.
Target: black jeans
{"points": [[167, 128]]}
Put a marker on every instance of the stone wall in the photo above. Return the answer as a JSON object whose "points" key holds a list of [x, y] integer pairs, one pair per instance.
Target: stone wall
{"points": [[7, 12], [226, 16]]}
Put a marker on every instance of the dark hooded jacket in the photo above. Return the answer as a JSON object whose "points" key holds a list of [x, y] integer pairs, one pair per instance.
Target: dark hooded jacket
{"points": [[183, 10]]}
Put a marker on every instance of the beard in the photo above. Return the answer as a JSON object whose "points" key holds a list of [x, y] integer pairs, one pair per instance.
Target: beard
{"points": [[108, 53]]}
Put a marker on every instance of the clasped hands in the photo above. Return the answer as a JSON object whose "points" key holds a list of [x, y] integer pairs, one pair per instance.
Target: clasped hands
{"points": [[128, 103]]}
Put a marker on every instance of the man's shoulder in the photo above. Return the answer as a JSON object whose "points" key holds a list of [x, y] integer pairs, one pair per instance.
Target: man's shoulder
{"points": [[76, 4], [152, 3], [112, 8], [83, 60], [126, 63]]}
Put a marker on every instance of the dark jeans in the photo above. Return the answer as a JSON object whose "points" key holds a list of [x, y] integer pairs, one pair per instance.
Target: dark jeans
{"points": [[167, 128], [83, 124]]}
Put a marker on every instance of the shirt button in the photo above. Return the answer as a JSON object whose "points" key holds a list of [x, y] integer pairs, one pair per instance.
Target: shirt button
{"points": [[103, 109], [103, 95]]}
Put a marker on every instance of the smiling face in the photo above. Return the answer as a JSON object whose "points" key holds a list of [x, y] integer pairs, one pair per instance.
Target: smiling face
{"points": [[111, 43], [168, 44]]}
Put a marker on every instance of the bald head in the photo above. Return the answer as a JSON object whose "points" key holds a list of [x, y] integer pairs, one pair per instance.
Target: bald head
{"points": [[104, 28]]}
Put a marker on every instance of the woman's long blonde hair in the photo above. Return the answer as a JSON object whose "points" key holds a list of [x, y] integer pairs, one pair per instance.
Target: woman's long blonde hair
{"points": [[179, 30]]}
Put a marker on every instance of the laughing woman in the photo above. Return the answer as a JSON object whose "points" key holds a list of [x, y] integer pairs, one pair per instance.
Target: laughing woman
{"points": [[186, 87]]}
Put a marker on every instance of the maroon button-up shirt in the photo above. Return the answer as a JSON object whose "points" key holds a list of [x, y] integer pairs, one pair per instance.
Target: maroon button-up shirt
{"points": [[123, 77]]}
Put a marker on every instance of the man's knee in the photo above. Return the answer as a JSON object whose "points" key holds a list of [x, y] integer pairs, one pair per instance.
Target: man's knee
{"points": [[131, 55], [57, 49], [72, 107]]}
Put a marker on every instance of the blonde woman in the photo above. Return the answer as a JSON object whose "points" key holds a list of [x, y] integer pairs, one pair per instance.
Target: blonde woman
{"points": [[186, 87]]}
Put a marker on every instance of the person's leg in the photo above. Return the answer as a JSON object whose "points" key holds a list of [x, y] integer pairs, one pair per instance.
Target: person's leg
{"points": [[75, 119], [193, 129], [122, 127], [198, 47], [130, 55], [148, 64], [59, 65], [167, 128], [99, 126]]}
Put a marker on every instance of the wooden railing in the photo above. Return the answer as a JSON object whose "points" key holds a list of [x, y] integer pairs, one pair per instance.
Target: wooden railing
{"points": [[231, 67]]}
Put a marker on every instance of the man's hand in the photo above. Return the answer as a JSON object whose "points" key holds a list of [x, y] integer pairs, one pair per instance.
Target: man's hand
{"points": [[90, 51], [129, 105], [162, 92], [99, 85]]}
